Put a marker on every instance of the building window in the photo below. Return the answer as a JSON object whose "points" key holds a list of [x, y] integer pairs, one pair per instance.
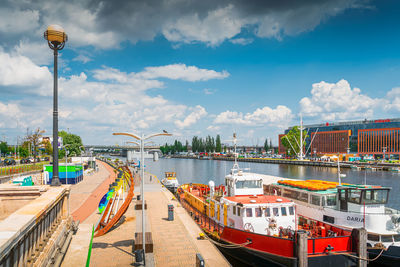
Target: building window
{"points": [[249, 212]]}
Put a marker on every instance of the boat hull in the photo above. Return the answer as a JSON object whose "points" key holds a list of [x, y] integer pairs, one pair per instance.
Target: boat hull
{"points": [[389, 257], [274, 251]]}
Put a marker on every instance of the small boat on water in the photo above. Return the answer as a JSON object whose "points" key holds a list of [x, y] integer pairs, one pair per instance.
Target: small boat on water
{"points": [[260, 230], [170, 181]]}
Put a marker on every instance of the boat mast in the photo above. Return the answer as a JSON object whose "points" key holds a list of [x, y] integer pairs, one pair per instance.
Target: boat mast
{"points": [[301, 137], [338, 167]]}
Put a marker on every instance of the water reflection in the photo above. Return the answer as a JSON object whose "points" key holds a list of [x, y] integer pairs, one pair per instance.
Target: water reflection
{"points": [[202, 171]]}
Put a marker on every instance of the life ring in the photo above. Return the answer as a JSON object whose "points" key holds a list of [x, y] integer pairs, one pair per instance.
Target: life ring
{"points": [[248, 227]]}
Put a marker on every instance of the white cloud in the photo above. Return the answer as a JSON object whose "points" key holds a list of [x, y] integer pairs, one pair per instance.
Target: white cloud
{"points": [[20, 74], [393, 100], [105, 24], [197, 113], [280, 117], [214, 128], [241, 41], [82, 58], [182, 72], [337, 101], [208, 91], [219, 24]]}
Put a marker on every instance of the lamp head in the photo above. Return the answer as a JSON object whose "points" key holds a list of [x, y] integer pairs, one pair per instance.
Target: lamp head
{"points": [[55, 35]]}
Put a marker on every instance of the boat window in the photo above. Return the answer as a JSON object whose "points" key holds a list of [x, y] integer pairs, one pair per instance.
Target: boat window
{"points": [[303, 197], [315, 200], [355, 196], [342, 194], [275, 211], [249, 212], [396, 238], [238, 210], [291, 210], [234, 210], [291, 193], [330, 200], [248, 184], [373, 237], [283, 211], [386, 238], [267, 212], [258, 212], [375, 196]]}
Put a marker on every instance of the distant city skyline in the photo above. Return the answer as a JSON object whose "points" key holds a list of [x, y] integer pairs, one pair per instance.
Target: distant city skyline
{"points": [[198, 68]]}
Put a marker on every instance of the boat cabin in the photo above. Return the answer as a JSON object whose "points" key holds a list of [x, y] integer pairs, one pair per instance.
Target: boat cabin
{"points": [[348, 198], [170, 175], [239, 184]]}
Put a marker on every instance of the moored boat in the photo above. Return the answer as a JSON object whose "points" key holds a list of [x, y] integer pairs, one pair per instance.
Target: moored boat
{"points": [[348, 206], [259, 229], [170, 181]]}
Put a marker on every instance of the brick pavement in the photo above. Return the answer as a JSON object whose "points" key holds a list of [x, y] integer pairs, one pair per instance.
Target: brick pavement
{"points": [[92, 198]]}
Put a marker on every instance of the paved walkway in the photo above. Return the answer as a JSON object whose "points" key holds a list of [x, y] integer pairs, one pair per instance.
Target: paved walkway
{"points": [[85, 196], [175, 242]]}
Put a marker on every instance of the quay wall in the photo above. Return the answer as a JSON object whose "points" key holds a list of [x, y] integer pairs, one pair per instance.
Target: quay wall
{"points": [[383, 166]]}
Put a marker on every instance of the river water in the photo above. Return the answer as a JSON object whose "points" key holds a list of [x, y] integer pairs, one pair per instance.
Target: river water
{"points": [[202, 171]]}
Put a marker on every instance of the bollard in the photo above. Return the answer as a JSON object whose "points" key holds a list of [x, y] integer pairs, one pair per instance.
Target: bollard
{"points": [[139, 255], [199, 260], [170, 212], [138, 197], [301, 249]]}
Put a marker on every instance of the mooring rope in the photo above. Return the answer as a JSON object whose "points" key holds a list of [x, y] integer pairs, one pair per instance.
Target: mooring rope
{"points": [[360, 258], [228, 245]]}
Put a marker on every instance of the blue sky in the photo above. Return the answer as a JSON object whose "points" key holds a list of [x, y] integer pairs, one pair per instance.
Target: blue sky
{"points": [[198, 68]]}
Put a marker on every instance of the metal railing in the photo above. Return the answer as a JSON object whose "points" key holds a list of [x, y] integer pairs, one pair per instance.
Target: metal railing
{"points": [[24, 248]]}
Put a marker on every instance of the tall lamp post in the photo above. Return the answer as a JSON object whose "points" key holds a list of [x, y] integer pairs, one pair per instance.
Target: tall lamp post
{"points": [[56, 38], [142, 140]]}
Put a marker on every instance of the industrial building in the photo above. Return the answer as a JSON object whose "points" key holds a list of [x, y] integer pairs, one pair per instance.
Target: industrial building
{"points": [[366, 137]]}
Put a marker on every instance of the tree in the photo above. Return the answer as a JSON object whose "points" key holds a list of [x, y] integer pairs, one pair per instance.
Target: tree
{"points": [[266, 146], [35, 139], [218, 147], [291, 141], [48, 148], [73, 141], [3, 147]]}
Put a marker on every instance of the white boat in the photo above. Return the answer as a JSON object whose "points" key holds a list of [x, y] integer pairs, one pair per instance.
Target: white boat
{"points": [[170, 181]]}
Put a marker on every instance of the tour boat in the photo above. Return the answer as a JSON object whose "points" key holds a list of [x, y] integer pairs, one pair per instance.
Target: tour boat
{"points": [[348, 206], [259, 229], [170, 181]]}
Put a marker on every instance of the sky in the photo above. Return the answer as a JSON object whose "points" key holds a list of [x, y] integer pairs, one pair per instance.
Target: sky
{"points": [[197, 67]]}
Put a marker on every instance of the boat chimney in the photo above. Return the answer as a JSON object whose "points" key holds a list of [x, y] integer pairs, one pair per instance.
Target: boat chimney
{"points": [[211, 184]]}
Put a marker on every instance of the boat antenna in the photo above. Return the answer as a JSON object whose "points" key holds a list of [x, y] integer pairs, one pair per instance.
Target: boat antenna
{"points": [[235, 165], [338, 167]]}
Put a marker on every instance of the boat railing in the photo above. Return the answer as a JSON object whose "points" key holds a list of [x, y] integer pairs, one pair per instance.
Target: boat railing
{"points": [[388, 211], [203, 219]]}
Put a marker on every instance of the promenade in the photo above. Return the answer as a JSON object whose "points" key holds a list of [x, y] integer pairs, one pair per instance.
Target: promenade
{"points": [[175, 242]]}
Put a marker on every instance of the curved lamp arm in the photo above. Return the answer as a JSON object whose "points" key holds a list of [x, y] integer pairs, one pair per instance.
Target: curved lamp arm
{"points": [[157, 134], [128, 134]]}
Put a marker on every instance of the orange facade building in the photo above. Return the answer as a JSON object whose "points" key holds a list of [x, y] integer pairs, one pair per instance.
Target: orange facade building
{"points": [[379, 141], [330, 142]]}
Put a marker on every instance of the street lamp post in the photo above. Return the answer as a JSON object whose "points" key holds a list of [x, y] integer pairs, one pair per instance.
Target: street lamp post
{"points": [[384, 153], [56, 38], [142, 140]]}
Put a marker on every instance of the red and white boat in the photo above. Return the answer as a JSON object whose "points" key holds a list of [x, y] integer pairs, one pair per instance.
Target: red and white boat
{"points": [[259, 229]]}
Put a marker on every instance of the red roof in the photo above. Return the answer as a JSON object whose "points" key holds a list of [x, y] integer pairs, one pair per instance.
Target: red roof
{"points": [[258, 198]]}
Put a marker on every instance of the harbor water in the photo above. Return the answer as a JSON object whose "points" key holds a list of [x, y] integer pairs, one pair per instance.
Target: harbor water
{"points": [[202, 171]]}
